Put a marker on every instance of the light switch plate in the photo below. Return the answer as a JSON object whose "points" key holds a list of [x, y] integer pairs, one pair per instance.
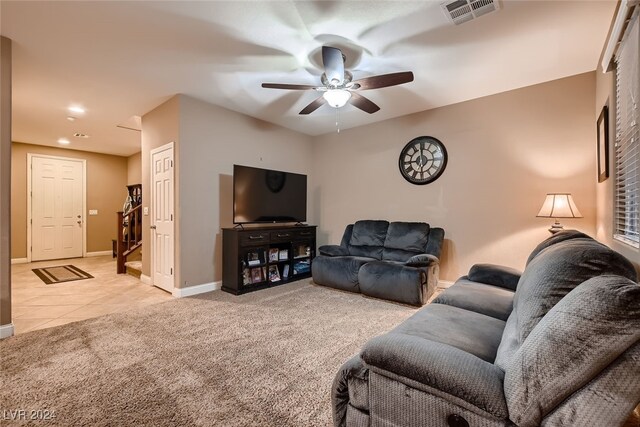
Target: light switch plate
{"points": [[93, 211], [145, 210]]}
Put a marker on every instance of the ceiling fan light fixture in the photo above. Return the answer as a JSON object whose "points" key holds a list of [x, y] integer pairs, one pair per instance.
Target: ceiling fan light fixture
{"points": [[337, 97]]}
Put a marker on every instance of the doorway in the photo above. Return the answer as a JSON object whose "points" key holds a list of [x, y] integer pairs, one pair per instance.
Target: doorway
{"points": [[162, 224], [56, 206]]}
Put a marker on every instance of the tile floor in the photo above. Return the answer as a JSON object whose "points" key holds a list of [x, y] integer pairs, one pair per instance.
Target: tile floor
{"points": [[36, 305]]}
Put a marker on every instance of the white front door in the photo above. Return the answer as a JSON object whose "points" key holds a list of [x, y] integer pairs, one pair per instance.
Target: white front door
{"points": [[162, 231], [57, 200]]}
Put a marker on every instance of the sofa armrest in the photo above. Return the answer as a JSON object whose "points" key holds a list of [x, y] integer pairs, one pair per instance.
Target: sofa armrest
{"points": [[422, 260], [350, 387], [333, 250], [496, 275], [440, 366]]}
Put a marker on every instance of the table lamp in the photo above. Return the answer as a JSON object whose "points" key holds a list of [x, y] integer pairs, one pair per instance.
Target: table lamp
{"points": [[558, 205]]}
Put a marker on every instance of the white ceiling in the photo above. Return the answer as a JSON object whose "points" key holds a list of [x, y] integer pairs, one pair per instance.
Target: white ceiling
{"points": [[122, 59]]}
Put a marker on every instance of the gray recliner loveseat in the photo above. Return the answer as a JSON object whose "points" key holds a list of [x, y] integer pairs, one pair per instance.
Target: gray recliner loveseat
{"points": [[555, 345], [398, 261]]}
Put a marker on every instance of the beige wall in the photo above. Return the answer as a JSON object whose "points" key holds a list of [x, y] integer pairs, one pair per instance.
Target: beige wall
{"points": [[212, 139], [160, 126], [208, 140], [106, 192], [506, 152], [134, 169], [5, 181]]}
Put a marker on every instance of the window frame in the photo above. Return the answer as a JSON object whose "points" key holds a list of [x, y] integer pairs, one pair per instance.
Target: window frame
{"points": [[626, 189]]}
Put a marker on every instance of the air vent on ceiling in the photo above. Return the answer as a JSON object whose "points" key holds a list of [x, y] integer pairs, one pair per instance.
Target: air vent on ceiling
{"points": [[461, 11], [80, 135]]}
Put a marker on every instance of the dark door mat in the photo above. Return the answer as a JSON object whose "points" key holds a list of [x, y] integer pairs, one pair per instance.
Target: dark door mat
{"points": [[61, 273]]}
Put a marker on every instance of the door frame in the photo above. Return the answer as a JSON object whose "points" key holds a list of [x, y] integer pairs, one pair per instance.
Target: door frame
{"points": [[156, 150], [30, 157]]}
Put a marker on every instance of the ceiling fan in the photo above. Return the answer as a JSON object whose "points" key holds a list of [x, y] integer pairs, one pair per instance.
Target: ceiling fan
{"points": [[338, 86]]}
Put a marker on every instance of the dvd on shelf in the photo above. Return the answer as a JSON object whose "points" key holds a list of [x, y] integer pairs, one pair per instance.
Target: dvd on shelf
{"points": [[301, 267], [274, 274], [256, 257], [256, 275]]}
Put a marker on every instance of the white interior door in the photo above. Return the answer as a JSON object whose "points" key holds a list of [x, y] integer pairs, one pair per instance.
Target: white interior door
{"points": [[57, 200], [162, 230]]}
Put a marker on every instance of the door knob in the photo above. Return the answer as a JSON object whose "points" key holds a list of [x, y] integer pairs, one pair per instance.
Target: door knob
{"points": [[79, 222]]}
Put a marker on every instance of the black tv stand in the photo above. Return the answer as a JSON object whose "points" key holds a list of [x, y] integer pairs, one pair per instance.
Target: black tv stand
{"points": [[238, 227], [299, 224], [263, 257]]}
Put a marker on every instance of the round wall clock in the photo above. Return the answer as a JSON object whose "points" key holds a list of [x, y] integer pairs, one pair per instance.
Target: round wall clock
{"points": [[422, 160]]}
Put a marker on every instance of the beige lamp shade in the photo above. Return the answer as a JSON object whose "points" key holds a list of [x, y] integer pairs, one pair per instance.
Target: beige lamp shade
{"points": [[559, 205]]}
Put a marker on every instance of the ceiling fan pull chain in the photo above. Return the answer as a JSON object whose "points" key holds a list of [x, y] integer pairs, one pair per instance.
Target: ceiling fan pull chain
{"points": [[337, 117]]}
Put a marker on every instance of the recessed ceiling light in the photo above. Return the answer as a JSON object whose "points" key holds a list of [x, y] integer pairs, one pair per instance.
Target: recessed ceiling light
{"points": [[71, 118], [76, 109], [63, 141], [80, 135]]}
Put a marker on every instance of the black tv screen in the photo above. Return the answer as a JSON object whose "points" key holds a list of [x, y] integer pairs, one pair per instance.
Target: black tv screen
{"points": [[265, 195]]}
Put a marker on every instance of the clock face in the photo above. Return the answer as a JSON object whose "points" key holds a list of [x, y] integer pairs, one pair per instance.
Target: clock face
{"points": [[422, 160]]}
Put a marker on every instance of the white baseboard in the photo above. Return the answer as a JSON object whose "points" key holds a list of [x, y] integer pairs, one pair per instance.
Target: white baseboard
{"points": [[444, 283], [145, 279], [6, 331], [19, 261], [195, 290], [99, 253]]}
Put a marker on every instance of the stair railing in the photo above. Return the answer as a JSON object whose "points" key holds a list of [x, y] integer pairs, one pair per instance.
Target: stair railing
{"points": [[129, 236]]}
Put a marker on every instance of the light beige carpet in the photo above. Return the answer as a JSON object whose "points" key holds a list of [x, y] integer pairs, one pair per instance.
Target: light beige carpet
{"points": [[262, 359]]}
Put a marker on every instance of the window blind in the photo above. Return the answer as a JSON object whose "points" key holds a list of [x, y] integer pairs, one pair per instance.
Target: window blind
{"points": [[627, 150]]}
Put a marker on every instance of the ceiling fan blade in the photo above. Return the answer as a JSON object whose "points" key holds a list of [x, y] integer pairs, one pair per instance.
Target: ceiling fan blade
{"points": [[363, 103], [384, 80], [313, 106], [286, 86], [333, 64]]}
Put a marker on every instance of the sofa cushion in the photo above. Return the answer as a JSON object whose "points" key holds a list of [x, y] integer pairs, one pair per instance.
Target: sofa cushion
{"points": [[339, 272], [405, 239], [397, 255], [579, 337], [472, 332], [373, 252], [369, 233], [551, 275], [395, 282], [617, 385], [494, 301], [558, 237], [367, 238]]}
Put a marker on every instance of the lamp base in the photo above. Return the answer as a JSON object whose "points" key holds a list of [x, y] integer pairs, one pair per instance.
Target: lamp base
{"points": [[556, 227]]}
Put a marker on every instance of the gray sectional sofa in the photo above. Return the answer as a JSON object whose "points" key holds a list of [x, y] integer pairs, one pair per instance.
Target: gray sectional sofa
{"points": [[398, 261], [557, 345]]}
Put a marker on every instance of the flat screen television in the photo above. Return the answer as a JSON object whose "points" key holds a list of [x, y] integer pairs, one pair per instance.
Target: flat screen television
{"points": [[265, 195]]}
